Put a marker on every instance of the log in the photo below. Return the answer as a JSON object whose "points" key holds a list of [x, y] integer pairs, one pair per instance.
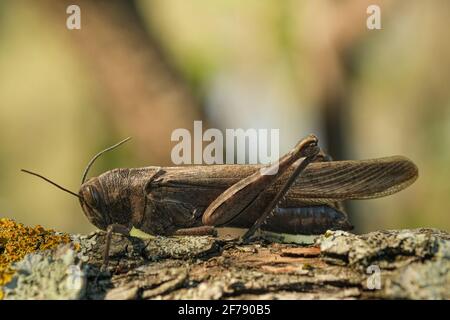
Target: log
{"points": [[392, 264]]}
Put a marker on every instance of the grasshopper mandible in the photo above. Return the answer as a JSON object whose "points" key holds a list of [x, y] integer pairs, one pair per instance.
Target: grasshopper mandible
{"points": [[300, 194]]}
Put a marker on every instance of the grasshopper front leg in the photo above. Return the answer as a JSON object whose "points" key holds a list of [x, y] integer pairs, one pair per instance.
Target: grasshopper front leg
{"points": [[112, 228], [241, 196]]}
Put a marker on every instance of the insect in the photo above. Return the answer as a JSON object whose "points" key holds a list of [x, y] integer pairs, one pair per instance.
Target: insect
{"points": [[301, 193]]}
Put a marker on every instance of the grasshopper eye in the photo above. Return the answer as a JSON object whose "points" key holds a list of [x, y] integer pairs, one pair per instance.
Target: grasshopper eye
{"points": [[91, 201], [95, 196], [92, 197]]}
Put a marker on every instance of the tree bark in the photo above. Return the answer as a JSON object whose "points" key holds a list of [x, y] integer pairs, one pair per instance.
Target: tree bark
{"points": [[396, 264]]}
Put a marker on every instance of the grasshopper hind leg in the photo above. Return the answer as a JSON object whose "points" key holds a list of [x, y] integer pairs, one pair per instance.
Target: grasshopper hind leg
{"points": [[244, 195], [312, 218]]}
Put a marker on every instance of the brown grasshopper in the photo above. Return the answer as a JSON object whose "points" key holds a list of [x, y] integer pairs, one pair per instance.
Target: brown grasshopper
{"points": [[299, 194]]}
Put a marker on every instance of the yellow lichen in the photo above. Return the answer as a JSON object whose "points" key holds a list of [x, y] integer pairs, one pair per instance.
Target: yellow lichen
{"points": [[17, 240]]}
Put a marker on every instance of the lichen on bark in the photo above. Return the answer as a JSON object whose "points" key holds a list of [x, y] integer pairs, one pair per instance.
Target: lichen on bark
{"points": [[408, 264], [17, 240]]}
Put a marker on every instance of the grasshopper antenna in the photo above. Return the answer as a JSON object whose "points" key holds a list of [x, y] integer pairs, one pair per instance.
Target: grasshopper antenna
{"points": [[53, 183], [89, 165]]}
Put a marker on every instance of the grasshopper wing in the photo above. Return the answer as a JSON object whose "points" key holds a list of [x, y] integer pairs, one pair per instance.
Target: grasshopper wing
{"points": [[361, 179]]}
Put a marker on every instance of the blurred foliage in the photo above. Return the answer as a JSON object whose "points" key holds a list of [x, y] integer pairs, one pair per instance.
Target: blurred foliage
{"points": [[252, 64]]}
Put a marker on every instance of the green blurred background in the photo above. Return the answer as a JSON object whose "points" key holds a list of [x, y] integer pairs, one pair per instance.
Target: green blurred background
{"points": [[144, 68]]}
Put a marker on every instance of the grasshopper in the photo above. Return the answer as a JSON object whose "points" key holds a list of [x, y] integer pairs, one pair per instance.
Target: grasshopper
{"points": [[301, 193]]}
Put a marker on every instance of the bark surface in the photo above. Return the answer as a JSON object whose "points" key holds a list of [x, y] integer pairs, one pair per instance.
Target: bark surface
{"points": [[406, 264]]}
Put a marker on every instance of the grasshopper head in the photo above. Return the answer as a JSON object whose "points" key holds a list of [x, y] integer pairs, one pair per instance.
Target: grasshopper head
{"points": [[114, 197], [92, 201], [98, 205]]}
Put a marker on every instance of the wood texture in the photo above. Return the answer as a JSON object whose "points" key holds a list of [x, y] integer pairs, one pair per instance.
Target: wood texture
{"points": [[413, 264]]}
